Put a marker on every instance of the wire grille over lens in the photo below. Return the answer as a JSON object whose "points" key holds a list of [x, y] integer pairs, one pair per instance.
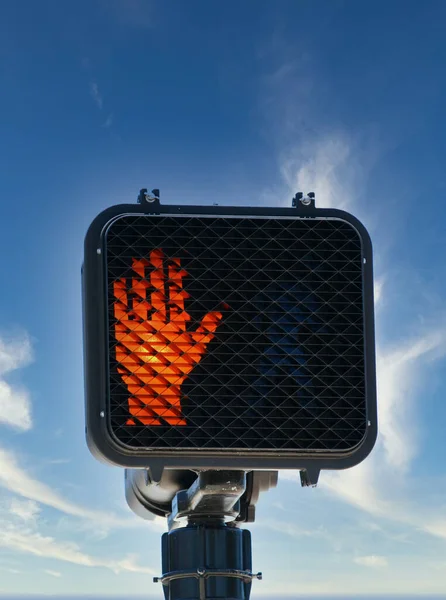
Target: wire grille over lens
{"points": [[235, 333]]}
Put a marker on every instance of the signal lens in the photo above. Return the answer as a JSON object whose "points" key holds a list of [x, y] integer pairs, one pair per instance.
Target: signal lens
{"points": [[235, 333]]}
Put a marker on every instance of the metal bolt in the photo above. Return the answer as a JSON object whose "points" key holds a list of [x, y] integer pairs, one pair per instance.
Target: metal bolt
{"points": [[102, 414], [306, 201], [201, 571]]}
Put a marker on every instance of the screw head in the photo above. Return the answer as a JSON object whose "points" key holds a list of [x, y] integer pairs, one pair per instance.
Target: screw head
{"points": [[306, 200]]}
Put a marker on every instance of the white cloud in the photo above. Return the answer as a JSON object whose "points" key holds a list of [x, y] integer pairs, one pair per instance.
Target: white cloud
{"points": [[17, 480], [15, 405], [324, 167], [15, 353], [399, 372], [20, 526], [27, 510], [378, 291], [371, 561], [291, 529], [58, 461], [19, 533], [96, 94], [11, 570], [52, 573], [28, 541]]}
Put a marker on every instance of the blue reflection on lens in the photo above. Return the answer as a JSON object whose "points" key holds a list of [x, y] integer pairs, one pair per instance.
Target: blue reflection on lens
{"points": [[284, 311]]}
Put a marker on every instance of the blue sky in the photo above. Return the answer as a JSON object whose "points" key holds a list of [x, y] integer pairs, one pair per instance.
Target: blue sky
{"points": [[235, 103]]}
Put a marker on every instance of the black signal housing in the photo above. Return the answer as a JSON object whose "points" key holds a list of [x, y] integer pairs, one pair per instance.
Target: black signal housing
{"points": [[285, 380]]}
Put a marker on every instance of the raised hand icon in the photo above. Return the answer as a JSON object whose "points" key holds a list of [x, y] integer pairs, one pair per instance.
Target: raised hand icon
{"points": [[155, 352]]}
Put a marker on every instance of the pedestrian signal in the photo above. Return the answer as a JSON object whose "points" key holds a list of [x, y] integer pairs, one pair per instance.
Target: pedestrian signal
{"points": [[224, 337]]}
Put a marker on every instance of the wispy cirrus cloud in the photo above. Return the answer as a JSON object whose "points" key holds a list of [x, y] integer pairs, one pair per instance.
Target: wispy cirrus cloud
{"points": [[378, 289], [292, 529], [98, 99], [52, 573], [96, 94], [400, 373], [19, 513], [18, 538], [11, 570], [17, 480], [323, 166], [372, 561], [15, 404], [26, 510], [20, 482], [21, 533], [58, 461]]}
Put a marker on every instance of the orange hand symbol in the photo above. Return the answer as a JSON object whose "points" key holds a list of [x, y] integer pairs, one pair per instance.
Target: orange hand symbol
{"points": [[155, 354]]}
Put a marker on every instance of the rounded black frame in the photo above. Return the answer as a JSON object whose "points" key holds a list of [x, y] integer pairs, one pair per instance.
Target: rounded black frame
{"points": [[103, 444]]}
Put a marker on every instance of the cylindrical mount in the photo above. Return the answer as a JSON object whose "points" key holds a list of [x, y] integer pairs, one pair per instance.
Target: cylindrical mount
{"points": [[205, 562]]}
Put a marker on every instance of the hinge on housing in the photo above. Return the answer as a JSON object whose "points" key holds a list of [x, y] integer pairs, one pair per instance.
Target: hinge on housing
{"points": [[309, 476], [152, 199], [302, 202]]}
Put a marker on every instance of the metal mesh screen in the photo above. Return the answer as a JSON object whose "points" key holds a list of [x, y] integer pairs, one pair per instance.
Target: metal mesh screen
{"points": [[235, 333]]}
